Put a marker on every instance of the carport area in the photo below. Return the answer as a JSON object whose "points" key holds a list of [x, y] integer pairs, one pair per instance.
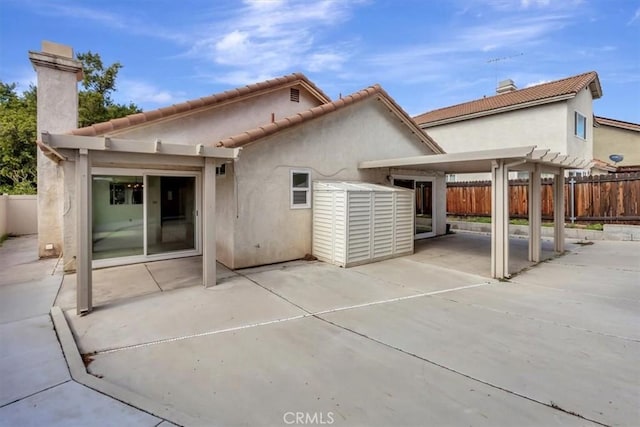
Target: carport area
{"points": [[426, 339]]}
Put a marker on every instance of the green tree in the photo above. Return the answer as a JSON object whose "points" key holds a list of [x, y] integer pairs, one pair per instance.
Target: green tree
{"points": [[18, 131], [99, 83], [17, 136]]}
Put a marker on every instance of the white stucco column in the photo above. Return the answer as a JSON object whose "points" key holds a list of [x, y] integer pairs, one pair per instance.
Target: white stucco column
{"points": [[58, 74], [535, 214], [499, 219], [558, 211], [84, 299], [209, 223]]}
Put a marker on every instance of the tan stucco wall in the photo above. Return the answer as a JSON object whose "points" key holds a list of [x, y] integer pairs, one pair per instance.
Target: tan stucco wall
{"points": [[212, 125], [267, 230], [18, 215], [608, 140]]}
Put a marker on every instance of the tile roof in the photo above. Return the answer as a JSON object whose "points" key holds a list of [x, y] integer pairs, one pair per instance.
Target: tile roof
{"points": [[195, 104], [617, 123], [321, 110], [522, 98]]}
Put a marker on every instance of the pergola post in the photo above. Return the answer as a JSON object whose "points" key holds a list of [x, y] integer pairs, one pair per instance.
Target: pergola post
{"points": [[499, 219], [535, 214], [84, 301], [209, 224], [558, 211]]}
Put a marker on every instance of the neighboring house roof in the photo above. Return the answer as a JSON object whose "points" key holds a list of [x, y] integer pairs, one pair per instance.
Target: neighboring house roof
{"points": [[616, 123], [545, 93], [602, 165], [319, 111], [232, 95]]}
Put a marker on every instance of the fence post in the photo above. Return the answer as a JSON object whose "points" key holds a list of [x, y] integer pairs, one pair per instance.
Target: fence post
{"points": [[572, 189]]}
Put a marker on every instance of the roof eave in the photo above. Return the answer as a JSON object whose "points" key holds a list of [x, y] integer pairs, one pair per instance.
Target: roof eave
{"points": [[498, 110]]}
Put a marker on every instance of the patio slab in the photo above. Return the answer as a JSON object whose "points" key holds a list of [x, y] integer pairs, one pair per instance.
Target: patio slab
{"points": [[181, 312], [29, 299], [72, 404], [259, 375], [30, 358]]}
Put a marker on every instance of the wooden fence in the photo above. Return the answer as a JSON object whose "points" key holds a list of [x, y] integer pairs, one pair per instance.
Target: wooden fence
{"points": [[597, 198]]}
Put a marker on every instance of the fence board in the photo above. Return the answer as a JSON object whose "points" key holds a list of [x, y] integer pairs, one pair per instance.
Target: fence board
{"points": [[602, 198]]}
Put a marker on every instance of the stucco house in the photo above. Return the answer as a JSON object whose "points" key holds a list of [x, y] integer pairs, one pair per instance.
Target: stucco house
{"points": [[557, 115], [148, 179], [616, 137]]}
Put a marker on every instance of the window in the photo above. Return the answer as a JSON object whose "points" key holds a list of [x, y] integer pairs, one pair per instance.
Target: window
{"points": [[221, 170], [451, 177], [580, 127], [300, 189]]}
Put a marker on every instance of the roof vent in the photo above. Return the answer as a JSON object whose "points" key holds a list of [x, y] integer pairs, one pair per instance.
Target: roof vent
{"points": [[506, 86], [294, 96]]}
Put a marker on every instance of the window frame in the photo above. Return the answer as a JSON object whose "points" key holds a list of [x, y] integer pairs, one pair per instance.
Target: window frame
{"points": [[306, 189], [576, 116]]}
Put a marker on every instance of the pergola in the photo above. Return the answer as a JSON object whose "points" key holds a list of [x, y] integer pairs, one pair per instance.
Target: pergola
{"points": [[499, 162], [84, 151]]}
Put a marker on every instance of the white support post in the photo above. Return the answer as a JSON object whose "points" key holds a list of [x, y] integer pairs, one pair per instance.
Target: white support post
{"points": [[535, 214], [84, 302], [499, 219], [209, 224], [558, 211]]}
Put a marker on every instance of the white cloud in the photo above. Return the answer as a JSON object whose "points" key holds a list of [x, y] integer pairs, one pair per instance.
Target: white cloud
{"points": [[140, 93], [635, 17], [273, 37]]}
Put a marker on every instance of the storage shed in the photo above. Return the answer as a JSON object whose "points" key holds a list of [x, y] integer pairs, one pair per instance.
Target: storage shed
{"points": [[357, 223]]}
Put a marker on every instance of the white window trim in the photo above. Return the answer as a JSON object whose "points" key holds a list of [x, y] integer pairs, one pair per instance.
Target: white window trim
{"points": [[292, 189], [575, 125]]}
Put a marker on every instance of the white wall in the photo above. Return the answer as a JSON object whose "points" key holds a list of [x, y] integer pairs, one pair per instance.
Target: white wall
{"points": [[267, 230], [544, 126], [578, 147], [218, 122], [18, 215]]}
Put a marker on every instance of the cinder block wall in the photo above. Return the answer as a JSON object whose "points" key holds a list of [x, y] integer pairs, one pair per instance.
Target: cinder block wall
{"points": [[18, 215]]}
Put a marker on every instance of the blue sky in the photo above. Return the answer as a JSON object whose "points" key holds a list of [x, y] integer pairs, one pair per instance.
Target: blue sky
{"points": [[426, 53]]}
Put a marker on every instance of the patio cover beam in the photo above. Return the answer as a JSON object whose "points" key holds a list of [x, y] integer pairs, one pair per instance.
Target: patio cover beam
{"points": [[156, 146]]}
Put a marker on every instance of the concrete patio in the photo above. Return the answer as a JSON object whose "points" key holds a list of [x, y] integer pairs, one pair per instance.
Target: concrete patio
{"points": [[426, 339]]}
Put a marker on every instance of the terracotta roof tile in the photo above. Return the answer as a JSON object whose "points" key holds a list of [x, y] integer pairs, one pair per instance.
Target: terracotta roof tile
{"points": [[321, 110], [194, 104], [514, 99], [617, 123]]}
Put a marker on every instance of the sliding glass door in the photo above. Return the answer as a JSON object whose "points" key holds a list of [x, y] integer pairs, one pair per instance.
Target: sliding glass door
{"points": [[424, 197], [144, 217]]}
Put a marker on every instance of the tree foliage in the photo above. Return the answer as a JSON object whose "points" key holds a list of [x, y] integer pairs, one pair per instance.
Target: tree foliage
{"points": [[18, 130]]}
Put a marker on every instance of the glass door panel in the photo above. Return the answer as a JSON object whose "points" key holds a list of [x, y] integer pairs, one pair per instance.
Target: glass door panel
{"points": [[171, 209], [424, 208], [424, 204], [117, 211]]}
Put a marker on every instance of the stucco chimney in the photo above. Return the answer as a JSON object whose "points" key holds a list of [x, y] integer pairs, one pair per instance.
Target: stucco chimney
{"points": [[58, 75], [506, 86]]}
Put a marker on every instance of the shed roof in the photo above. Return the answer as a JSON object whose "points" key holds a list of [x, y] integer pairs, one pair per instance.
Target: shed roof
{"points": [[535, 95], [207, 101]]}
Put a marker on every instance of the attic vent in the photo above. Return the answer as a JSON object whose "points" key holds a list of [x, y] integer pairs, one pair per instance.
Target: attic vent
{"points": [[294, 95]]}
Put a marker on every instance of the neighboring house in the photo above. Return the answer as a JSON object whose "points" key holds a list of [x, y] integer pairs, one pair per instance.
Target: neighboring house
{"points": [[615, 137], [556, 115], [269, 141]]}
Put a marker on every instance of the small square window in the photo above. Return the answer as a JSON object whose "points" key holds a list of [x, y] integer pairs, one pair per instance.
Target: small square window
{"points": [[300, 183], [580, 127], [221, 170]]}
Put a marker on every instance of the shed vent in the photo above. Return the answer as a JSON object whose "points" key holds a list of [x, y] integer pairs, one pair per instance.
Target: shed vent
{"points": [[295, 95]]}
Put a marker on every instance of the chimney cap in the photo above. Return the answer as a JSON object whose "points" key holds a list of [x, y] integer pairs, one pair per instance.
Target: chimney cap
{"points": [[57, 49], [506, 86]]}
